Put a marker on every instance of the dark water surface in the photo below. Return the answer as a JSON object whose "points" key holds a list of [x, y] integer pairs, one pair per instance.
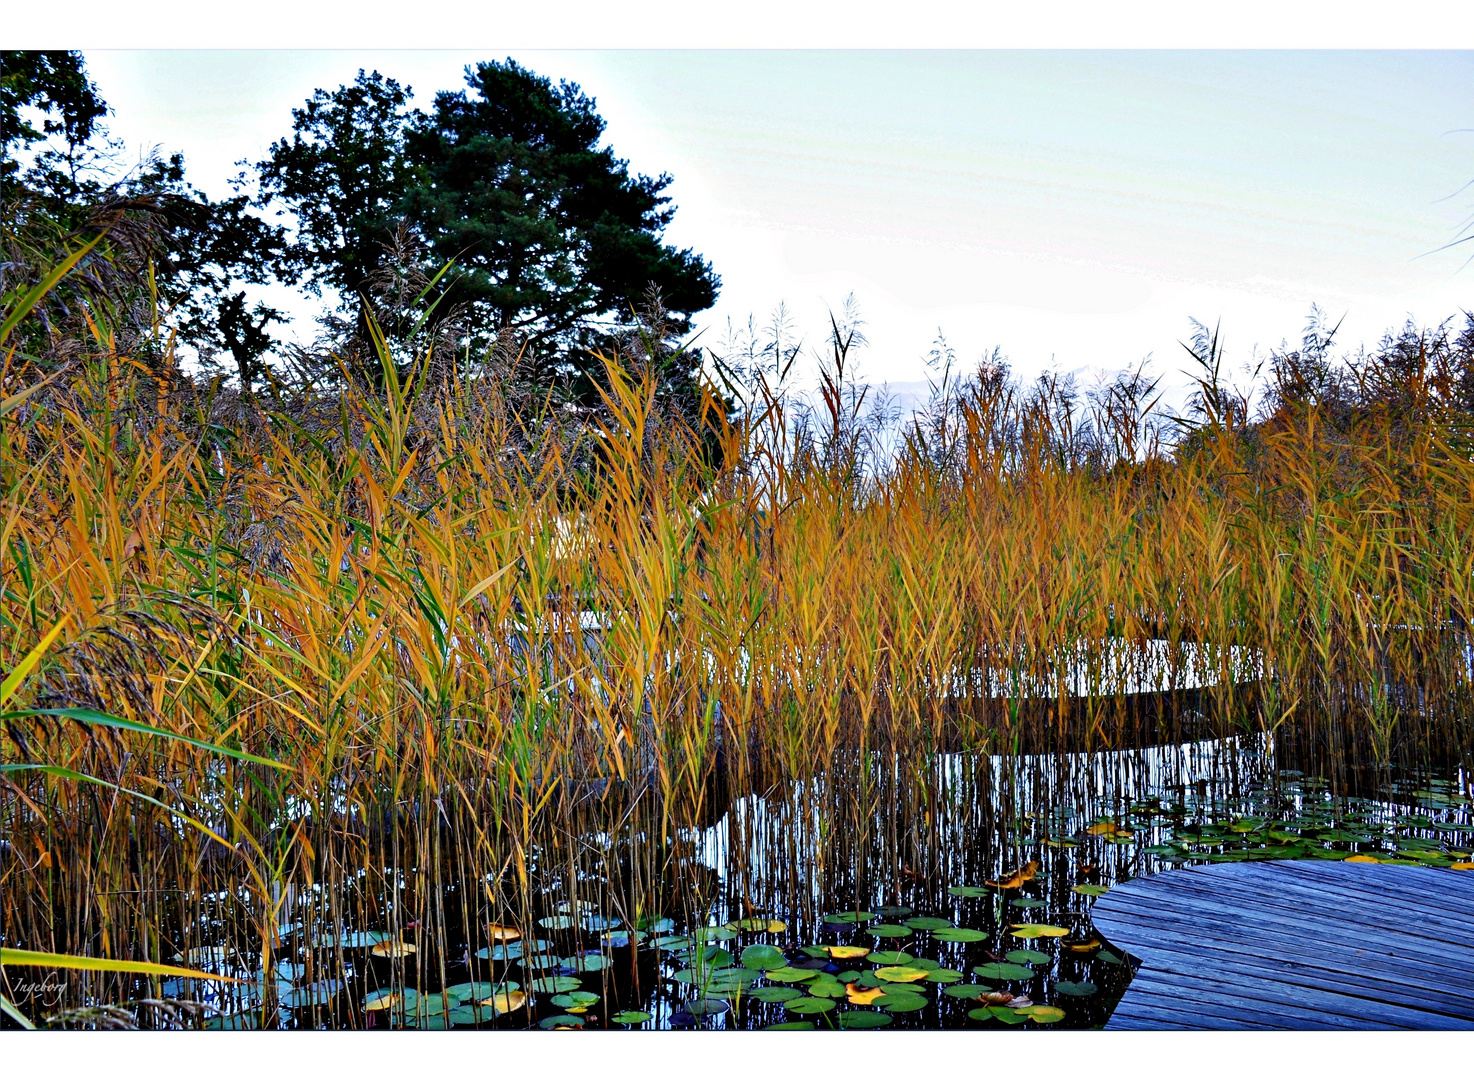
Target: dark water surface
{"points": [[967, 877]]}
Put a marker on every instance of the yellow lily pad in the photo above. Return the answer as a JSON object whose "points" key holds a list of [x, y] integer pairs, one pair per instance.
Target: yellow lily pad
{"points": [[1030, 931], [900, 974]]}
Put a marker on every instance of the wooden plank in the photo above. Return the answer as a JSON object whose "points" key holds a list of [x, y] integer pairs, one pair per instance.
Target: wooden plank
{"points": [[1295, 944], [1387, 978], [1373, 987], [1299, 931], [1192, 935], [1235, 910], [1435, 896]]}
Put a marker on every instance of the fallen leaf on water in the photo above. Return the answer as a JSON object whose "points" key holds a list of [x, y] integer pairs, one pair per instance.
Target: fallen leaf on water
{"points": [[1082, 946], [997, 997], [858, 996], [1360, 858], [846, 952], [1462, 866], [498, 932], [1016, 879], [393, 949], [509, 1001]]}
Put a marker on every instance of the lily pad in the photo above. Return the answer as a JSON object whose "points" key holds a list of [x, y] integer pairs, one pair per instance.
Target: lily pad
{"points": [[763, 957], [1027, 956], [760, 926], [556, 922], [465, 1015], [596, 924], [967, 990], [928, 922], [959, 933], [1044, 1014], [968, 892], [655, 924], [552, 1023], [848, 918], [1075, 989], [791, 1025], [808, 1006], [900, 974], [825, 987], [630, 1017], [1004, 972], [883, 957], [790, 975], [845, 952], [853, 1019], [892, 911], [1091, 890], [475, 991], [579, 999], [672, 942], [713, 933], [708, 1006], [943, 975], [998, 1012], [587, 962], [774, 995], [1030, 931], [380, 1000], [557, 984], [889, 930], [1027, 902], [1105, 956]]}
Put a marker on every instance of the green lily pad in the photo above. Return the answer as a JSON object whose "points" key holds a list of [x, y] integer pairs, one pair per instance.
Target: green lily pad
{"points": [[378, 995], [618, 939], [598, 923], [901, 973], [774, 995], [763, 957], [708, 1006], [889, 930], [671, 942], [1031, 931], [564, 1021], [435, 1022], [1075, 989], [1091, 890], [465, 1015], [630, 1017], [1027, 956], [1003, 972], [825, 986], [883, 958], [1027, 902], [790, 975], [959, 933], [943, 975], [998, 1012], [844, 918], [556, 922], [967, 990], [655, 924], [808, 1006], [928, 922], [892, 911], [901, 1002], [791, 1025], [556, 984], [860, 1019], [968, 892], [713, 933], [587, 962], [579, 999], [1105, 956]]}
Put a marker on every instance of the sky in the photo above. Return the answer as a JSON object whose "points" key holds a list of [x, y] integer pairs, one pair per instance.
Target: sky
{"points": [[1075, 208]]}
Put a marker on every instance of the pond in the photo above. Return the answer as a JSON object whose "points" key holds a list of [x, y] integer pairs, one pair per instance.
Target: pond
{"points": [[922, 892]]}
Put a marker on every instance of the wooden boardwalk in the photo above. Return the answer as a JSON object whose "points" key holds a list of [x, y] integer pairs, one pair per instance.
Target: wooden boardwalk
{"points": [[1296, 944]]}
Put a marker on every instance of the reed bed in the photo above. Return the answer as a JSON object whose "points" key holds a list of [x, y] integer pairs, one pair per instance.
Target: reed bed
{"points": [[510, 661]]}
